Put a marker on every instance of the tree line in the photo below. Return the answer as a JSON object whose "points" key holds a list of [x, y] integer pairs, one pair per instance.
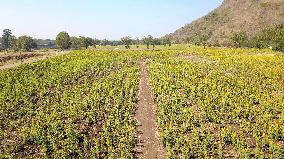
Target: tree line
{"points": [[64, 41], [272, 38], [10, 42], [148, 41]]}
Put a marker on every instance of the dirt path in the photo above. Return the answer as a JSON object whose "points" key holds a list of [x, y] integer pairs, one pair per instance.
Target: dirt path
{"points": [[30, 60], [148, 146]]}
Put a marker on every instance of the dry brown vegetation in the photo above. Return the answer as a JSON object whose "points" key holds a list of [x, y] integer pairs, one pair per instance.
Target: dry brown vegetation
{"points": [[250, 16]]}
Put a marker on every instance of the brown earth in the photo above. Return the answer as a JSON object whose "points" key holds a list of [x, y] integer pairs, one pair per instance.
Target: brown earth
{"points": [[11, 60], [148, 146], [4, 59]]}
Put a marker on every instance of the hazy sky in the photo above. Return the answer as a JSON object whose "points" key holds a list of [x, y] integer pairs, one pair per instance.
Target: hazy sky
{"points": [[109, 19]]}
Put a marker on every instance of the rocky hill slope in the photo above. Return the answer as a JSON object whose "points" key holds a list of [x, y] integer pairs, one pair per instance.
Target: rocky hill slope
{"points": [[250, 16]]}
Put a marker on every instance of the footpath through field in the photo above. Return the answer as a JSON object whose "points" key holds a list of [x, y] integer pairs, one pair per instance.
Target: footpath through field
{"points": [[148, 146]]}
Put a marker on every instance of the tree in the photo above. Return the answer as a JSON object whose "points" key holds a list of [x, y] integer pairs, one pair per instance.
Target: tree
{"points": [[105, 42], [277, 38], [87, 41], [13, 45], [204, 37], [7, 34], [273, 37], [167, 41], [188, 40], [26, 43], [257, 42], [126, 41], [148, 40], [239, 39], [96, 42], [136, 42], [75, 43], [279, 46], [63, 40], [155, 42]]}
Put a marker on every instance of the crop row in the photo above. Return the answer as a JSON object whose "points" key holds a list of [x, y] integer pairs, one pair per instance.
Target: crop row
{"points": [[78, 105], [220, 105]]}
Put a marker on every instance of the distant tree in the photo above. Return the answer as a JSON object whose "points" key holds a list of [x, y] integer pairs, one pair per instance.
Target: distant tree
{"points": [[86, 41], [279, 46], [195, 39], [34, 44], [105, 42], [256, 42], [275, 37], [156, 42], [239, 39], [188, 40], [126, 41], [63, 40], [96, 42], [13, 45], [116, 42], [136, 42], [148, 41], [7, 34], [204, 37], [75, 43], [26, 43], [166, 40], [272, 37], [45, 43]]}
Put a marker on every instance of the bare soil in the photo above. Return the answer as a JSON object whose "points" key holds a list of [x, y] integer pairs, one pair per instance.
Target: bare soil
{"points": [[4, 59], [148, 146], [11, 60]]}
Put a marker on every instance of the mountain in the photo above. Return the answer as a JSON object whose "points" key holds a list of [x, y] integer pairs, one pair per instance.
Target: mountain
{"points": [[249, 16]]}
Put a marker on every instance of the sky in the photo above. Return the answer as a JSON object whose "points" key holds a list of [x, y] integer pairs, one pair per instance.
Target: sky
{"points": [[110, 19]]}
